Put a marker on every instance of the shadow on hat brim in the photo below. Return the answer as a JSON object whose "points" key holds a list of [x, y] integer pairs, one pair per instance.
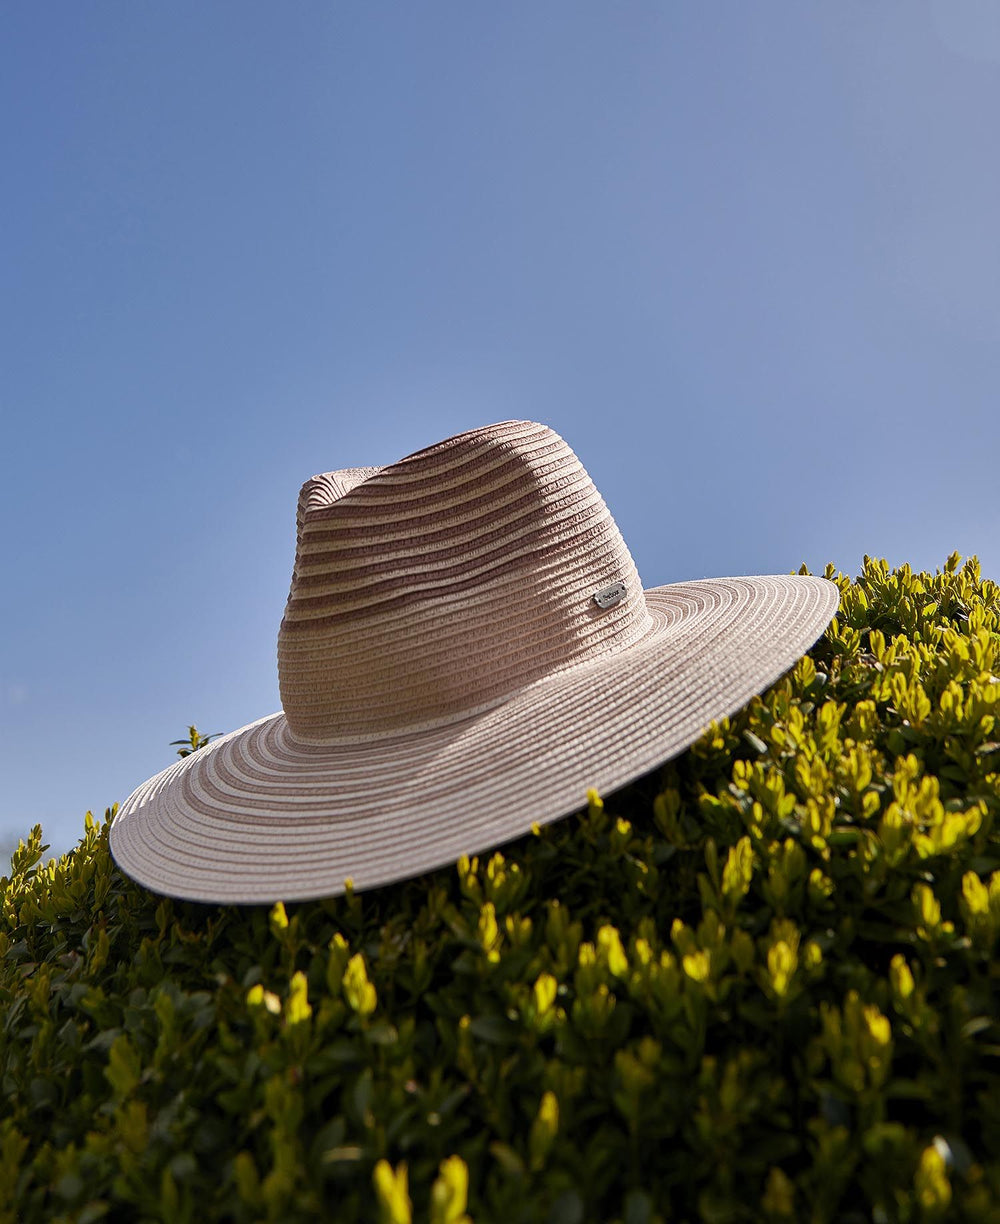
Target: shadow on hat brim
{"points": [[258, 817]]}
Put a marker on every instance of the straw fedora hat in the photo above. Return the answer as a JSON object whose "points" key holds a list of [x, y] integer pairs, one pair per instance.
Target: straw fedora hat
{"points": [[466, 649]]}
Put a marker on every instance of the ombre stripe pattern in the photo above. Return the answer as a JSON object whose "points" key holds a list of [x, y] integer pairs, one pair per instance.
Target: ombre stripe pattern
{"points": [[434, 588], [261, 816], [448, 679]]}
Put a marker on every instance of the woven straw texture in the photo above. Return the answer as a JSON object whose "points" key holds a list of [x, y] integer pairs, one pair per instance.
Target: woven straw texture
{"points": [[447, 678]]}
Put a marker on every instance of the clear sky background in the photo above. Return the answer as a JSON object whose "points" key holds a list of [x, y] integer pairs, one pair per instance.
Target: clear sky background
{"points": [[743, 257]]}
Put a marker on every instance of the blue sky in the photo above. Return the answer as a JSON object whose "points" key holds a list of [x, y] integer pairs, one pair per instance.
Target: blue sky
{"points": [[744, 258]]}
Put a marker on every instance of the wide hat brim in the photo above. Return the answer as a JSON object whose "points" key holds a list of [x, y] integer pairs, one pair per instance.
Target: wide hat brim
{"points": [[258, 816]]}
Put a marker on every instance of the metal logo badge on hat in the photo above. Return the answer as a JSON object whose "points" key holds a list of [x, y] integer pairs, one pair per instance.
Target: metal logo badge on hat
{"points": [[466, 649]]}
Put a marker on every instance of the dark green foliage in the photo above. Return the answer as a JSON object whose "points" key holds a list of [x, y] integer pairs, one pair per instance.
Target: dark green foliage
{"points": [[759, 985]]}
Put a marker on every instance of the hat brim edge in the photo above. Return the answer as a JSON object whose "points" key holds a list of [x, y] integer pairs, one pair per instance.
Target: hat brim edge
{"points": [[254, 818]]}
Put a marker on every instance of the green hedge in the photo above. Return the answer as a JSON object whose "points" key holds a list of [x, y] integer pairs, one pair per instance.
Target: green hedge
{"points": [[758, 985]]}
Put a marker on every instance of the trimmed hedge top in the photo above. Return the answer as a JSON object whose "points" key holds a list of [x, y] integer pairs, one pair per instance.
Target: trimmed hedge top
{"points": [[757, 985]]}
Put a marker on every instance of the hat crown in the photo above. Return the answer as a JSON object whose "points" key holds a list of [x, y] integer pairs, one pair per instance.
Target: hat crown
{"points": [[435, 587]]}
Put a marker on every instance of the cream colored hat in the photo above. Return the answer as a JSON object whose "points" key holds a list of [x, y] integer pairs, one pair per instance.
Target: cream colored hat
{"points": [[466, 649]]}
